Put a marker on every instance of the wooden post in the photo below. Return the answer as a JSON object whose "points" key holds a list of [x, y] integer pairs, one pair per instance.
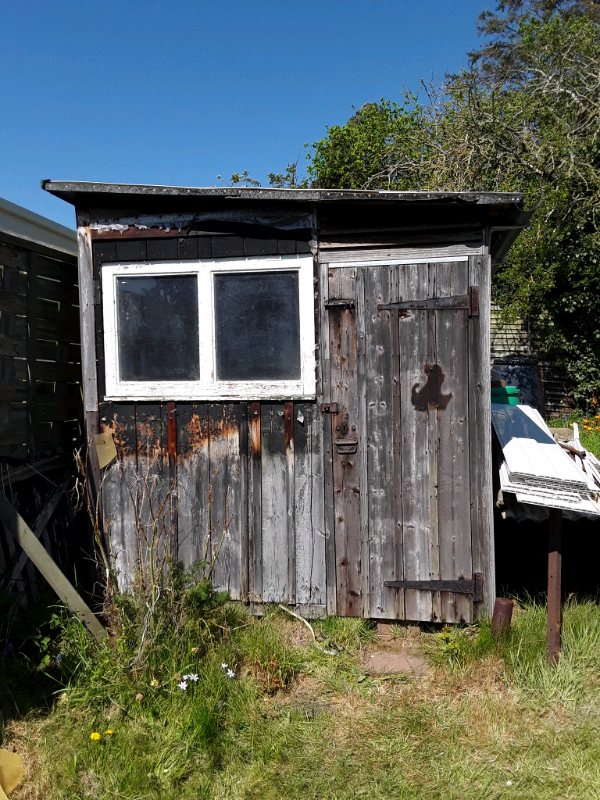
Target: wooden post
{"points": [[554, 588]]}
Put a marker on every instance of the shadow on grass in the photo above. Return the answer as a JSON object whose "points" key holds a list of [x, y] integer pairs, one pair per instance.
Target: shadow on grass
{"points": [[29, 678]]}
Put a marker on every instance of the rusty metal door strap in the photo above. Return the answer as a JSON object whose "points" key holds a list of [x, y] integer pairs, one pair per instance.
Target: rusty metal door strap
{"points": [[342, 302], [468, 302], [472, 587], [329, 408]]}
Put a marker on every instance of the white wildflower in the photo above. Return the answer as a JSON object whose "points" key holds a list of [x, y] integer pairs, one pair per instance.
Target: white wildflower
{"points": [[509, 783], [230, 673], [224, 666], [182, 685], [191, 677]]}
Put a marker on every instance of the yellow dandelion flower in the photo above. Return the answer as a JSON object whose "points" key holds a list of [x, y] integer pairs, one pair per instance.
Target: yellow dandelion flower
{"points": [[570, 424], [586, 420], [94, 736], [154, 683], [108, 732]]}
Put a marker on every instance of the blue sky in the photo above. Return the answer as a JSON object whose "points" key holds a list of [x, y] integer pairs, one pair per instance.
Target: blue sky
{"points": [[177, 92]]}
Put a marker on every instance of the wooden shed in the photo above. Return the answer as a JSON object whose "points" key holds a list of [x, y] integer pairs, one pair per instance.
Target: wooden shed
{"points": [[304, 373]]}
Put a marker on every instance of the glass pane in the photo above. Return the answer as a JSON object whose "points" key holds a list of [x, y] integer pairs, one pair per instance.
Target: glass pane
{"points": [[257, 326], [157, 324]]}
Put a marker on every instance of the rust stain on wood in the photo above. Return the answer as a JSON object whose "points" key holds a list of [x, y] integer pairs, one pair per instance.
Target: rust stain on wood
{"points": [[255, 431], [117, 431], [203, 433], [171, 432], [197, 434], [289, 427], [149, 444], [225, 426]]}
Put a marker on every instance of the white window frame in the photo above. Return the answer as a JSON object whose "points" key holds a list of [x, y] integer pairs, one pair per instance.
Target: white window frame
{"points": [[208, 387]]}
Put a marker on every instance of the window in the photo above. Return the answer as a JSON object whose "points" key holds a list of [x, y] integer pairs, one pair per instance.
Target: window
{"points": [[210, 330]]}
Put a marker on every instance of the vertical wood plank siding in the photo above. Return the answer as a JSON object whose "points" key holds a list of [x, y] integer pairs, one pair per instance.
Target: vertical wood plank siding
{"points": [[480, 421], [346, 478], [208, 499], [248, 477]]}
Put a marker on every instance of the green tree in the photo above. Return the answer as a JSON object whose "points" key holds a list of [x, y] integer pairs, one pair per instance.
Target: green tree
{"points": [[538, 77], [377, 147], [525, 116]]}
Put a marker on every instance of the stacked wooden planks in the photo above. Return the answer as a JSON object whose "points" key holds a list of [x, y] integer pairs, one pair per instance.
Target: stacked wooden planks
{"points": [[536, 469]]}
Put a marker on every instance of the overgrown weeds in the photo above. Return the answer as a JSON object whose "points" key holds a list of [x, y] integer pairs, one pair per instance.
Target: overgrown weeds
{"points": [[208, 701]]}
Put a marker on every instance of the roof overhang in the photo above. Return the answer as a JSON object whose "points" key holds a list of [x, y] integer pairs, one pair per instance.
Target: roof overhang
{"points": [[503, 210], [22, 224]]}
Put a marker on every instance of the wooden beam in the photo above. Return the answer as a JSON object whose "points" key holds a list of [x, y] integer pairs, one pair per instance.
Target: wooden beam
{"points": [[32, 314], [26, 538], [20, 472], [86, 311], [554, 584], [38, 528]]}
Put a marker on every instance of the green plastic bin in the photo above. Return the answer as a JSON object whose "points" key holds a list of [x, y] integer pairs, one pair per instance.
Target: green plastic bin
{"points": [[506, 395]]}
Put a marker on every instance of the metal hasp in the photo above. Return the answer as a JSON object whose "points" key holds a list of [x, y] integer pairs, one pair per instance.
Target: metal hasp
{"points": [[346, 446], [461, 586], [468, 302], [342, 302], [329, 408]]}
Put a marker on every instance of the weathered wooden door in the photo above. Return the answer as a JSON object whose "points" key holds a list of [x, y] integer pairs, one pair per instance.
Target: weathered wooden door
{"points": [[399, 374]]}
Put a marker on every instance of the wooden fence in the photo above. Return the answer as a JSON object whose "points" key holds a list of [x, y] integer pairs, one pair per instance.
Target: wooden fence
{"points": [[518, 357], [40, 403]]}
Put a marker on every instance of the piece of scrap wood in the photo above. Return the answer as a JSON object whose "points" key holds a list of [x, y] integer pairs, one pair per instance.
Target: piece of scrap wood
{"points": [[26, 538], [105, 448], [11, 772], [38, 528]]}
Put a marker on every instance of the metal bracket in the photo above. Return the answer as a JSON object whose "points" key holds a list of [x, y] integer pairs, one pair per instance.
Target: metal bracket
{"points": [[474, 297], [342, 302], [329, 408], [346, 446], [461, 586]]}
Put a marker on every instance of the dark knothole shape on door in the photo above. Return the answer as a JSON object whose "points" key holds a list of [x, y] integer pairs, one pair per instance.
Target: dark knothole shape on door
{"points": [[430, 395]]}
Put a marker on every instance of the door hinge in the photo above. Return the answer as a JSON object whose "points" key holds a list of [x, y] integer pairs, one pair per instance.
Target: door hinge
{"points": [[474, 297], [472, 587]]}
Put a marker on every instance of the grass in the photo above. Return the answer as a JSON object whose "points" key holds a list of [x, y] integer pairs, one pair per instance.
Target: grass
{"points": [[490, 720], [589, 428]]}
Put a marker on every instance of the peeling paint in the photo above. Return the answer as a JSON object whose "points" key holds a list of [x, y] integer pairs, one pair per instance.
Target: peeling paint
{"points": [[274, 218], [149, 444], [117, 430], [197, 433]]}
